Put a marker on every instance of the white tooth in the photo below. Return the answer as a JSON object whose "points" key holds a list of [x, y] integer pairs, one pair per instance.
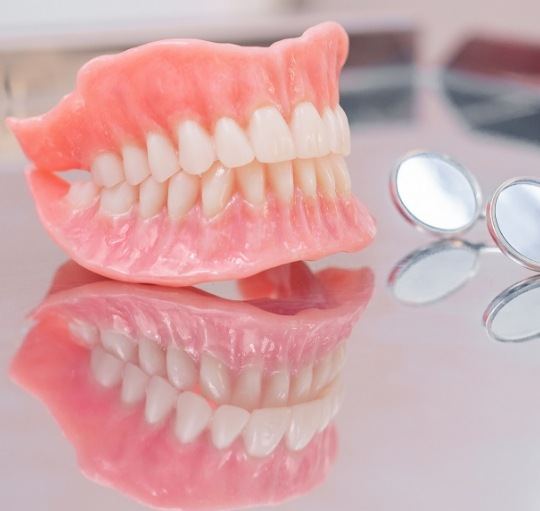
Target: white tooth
{"points": [[217, 188], [337, 397], [321, 374], [180, 368], [301, 384], [342, 177], [107, 170], [135, 164], [281, 179], [161, 157], [265, 429], [152, 197], [332, 130], [305, 177], [305, 421], [308, 131], [338, 360], [251, 182], [232, 146], [88, 334], [247, 389], [82, 193], [160, 399], [118, 199], [195, 149], [277, 389], [270, 136], [119, 344], [214, 378], [326, 412], [325, 177], [151, 357], [106, 368], [133, 384], [344, 131], [227, 423], [183, 194], [193, 414]]}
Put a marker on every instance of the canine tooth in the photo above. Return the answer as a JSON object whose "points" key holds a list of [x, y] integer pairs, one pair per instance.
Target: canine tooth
{"points": [[152, 197], [193, 414], [325, 176], [308, 131], [338, 360], [88, 334], [118, 199], [180, 368], [270, 136], [227, 423], [119, 344], [160, 399], [305, 177], [195, 149], [107, 170], [183, 193], [305, 421], [331, 124], [251, 182], [135, 164], [321, 374], [151, 357], [133, 384], [265, 429], [344, 131], [281, 179], [277, 389], [82, 194], [247, 389], [342, 177], [106, 368], [161, 157], [326, 412], [301, 384], [232, 145], [217, 188], [214, 379]]}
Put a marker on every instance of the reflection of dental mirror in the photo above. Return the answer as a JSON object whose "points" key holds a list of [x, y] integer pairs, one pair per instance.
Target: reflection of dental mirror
{"points": [[514, 315]]}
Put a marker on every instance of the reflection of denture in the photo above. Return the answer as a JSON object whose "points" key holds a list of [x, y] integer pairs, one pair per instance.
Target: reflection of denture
{"points": [[219, 394], [200, 153]]}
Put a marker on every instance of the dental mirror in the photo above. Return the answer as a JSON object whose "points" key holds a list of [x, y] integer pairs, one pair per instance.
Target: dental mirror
{"points": [[514, 315], [435, 193], [513, 219]]}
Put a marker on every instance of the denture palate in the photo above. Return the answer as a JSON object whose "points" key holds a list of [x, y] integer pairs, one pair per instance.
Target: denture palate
{"points": [[175, 172], [262, 407]]}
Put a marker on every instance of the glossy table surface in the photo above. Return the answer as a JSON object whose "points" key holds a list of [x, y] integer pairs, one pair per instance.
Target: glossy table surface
{"points": [[437, 415]]}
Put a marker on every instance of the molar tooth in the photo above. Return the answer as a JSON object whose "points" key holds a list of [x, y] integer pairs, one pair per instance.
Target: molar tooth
{"points": [[308, 131], [193, 414], [344, 131], [214, 379], [251, 182], [232, 146], [331, 123], [118, 199], [82, 193], [265, 429], [135, 164], [107, 170], [247, 390], [301, 384], [180, 368], [281, 179], [305, 177], [277, 389], [321, 374], [227, 424], [151, 357], [85, 332], [217, 188], [306, 419], [325, 176], [119, 344], [152, 197], [195, 149], [270, 136], [161, 157], [106, 368], [133, 384], [183, 193], [160, 399], [342, 177]]}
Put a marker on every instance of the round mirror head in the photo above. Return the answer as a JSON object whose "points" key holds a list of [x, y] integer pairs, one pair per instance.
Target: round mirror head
{"points": [[434, 272], [513, 217], [435, 193], [513, 316]]}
